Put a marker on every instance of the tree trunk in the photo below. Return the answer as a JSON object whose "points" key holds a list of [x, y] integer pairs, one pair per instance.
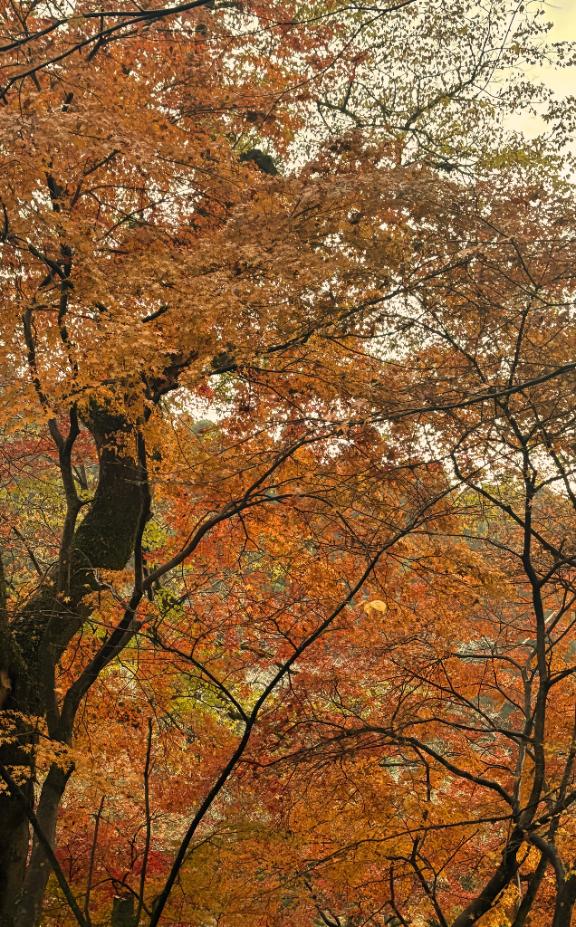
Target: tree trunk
{"points": [[28, 905], [14, 839], [33, 643], [565, 900], [530, 896], [14, 829], [123, 914], [501, 878]]}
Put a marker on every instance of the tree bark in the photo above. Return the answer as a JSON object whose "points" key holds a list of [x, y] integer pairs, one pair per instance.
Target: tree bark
{"points": [[14, 828], [33, 643], [531, 892], [565, 900], [28, 903], [123, 914], [501, 878]]}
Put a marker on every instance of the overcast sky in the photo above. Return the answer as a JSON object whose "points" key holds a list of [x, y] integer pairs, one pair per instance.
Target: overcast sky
{"points": [[562, 13]]}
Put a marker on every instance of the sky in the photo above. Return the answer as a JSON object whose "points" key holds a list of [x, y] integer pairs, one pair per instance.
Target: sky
{"points": [[562, 14]]}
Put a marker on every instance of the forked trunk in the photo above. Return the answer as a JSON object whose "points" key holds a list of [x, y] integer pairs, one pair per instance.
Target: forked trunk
{"points": [[31, 646]]}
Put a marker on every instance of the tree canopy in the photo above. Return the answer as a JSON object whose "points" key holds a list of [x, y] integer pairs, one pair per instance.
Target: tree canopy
{"points": [[287, 500]]}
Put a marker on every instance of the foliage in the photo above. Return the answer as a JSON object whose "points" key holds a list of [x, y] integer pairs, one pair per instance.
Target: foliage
{"points": [[287, 477]]}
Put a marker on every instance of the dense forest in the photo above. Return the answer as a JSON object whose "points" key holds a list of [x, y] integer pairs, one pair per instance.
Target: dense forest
{"points": [[287, 465]]}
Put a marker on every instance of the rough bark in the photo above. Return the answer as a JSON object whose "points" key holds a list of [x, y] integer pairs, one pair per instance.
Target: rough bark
{"points": [[33, 642], [28, 902]]}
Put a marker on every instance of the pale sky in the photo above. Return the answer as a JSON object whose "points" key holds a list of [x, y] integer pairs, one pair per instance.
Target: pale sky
{"points": [[562, 13]]}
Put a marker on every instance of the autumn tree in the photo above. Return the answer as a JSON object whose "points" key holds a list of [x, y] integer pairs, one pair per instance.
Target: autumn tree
{"points": [[234, 241], [449, 756]]}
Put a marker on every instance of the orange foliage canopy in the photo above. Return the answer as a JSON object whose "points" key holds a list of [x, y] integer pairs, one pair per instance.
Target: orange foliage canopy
{"points": [[288, 514]]}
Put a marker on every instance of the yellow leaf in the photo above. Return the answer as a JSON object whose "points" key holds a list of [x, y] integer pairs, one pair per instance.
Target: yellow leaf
{"points": [[375, 606]]}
